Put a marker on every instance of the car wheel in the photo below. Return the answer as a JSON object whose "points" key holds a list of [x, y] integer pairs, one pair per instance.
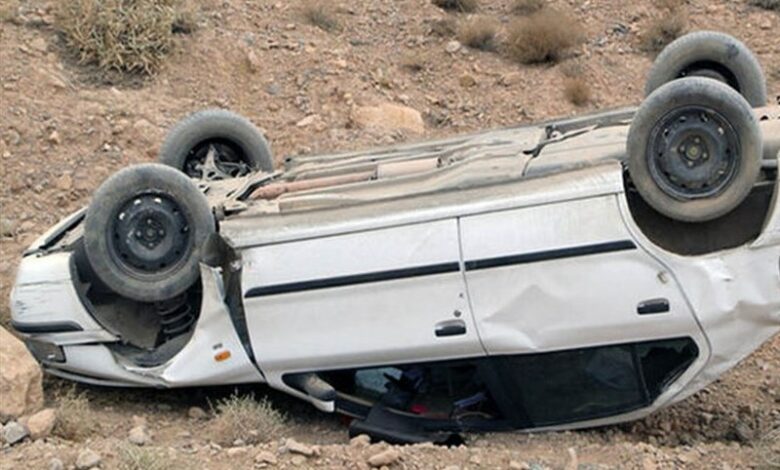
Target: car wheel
{"points": [[694, 149], [216, 144], [143, 232], [711, 55]]}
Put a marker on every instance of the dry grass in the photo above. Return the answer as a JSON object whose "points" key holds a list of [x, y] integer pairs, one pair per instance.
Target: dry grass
{"points": [[527, 7], [466, 6], [445, 27], [766, 4], [663, 30], [128, 36], [545, 36], [132, 457], [479, 33], [320, 13], [248, 419], [577, 91], [75, 420]]}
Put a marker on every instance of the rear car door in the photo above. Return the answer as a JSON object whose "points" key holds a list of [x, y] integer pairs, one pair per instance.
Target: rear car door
{"points": [[385, 296], [581, 322]]}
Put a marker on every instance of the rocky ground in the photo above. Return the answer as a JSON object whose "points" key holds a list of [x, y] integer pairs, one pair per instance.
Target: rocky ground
{"points": [[62, 132]]}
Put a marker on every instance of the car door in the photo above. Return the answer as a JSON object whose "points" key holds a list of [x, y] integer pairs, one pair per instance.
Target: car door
{"points": [[384, 296], [566, 275]]}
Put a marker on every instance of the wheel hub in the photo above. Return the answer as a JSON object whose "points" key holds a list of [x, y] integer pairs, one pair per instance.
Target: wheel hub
{"points": [[216, 160], [150, 233], [694, 153]]}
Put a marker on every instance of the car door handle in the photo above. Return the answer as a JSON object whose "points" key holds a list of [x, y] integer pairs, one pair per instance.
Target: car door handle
{"points": [[652, 306], [450, 328]]}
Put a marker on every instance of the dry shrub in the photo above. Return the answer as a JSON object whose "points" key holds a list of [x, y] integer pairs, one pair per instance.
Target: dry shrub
{"points": [[664, 30], [545, 36], [445, 27], [132, 457], [766, 4], [75, 420], [478, 33], [527, 7], [466, 6], [577, 91], [129, 36], [320, 13], [248, 419]]}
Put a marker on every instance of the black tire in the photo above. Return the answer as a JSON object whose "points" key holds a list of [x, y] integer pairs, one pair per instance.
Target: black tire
{"points": [[711, 55], [143, 232], [240, 145], [694, 149]]}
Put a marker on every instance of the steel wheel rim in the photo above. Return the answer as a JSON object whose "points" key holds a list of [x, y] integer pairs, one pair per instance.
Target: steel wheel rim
{"points": [[693, 153], [215, 160], [149, 235]]}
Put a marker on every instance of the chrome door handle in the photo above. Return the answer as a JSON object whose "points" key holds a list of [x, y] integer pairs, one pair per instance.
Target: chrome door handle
{"points": [[450, 328]]}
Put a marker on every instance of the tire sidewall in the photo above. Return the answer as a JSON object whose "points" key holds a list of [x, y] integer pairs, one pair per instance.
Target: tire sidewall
{"points": [[733, 107], [709, 46], [216, 124]]}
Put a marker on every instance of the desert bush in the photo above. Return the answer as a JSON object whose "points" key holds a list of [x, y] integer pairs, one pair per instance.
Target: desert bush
{"points": [[466, 6], [245, 418], [663, 30], [75, 420], [527, 7], [445, 27], [131, 36], [576, 90], [320, 13], [545, 36], [766, 4], [132, 457], [478, 33]]}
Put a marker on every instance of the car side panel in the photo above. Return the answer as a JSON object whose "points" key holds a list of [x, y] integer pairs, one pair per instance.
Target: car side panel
{"points": [[358, 299], [573, 278]]}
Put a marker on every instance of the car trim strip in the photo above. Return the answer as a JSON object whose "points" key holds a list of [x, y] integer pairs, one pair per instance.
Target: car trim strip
{"points": [[442, 268], [48, 327], [548, 255], [355, 279]]}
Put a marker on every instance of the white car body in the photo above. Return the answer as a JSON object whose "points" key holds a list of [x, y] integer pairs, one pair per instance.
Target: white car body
{"points": [[511, 248]]}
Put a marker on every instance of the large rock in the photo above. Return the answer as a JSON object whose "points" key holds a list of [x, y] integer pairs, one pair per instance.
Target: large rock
{"points": [[388, 116], [21, 391], [14, 432], [41, 423]]}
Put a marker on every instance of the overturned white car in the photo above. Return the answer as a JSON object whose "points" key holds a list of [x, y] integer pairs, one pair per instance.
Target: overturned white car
{"points": [[575, 273]]}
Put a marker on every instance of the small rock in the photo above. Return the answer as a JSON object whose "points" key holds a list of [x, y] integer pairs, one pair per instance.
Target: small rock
{"points": [[386, 457], [265, 457], [56, 464], [476, 460], [14, 432], [253, 61], [196, 412], [744, 433], [306, 121], [389, 116], [362, 440], [236, 451], [21, 391], [515, 465], [41, 423], [7, 227], [452, 47], [64, 182], [87, 459], [573, 459], [54, 138], [296, 447], [298, 460], [138, 436]]}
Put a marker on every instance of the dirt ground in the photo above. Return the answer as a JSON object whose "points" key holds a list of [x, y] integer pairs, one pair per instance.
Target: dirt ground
{"points": [[62, 132]]}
